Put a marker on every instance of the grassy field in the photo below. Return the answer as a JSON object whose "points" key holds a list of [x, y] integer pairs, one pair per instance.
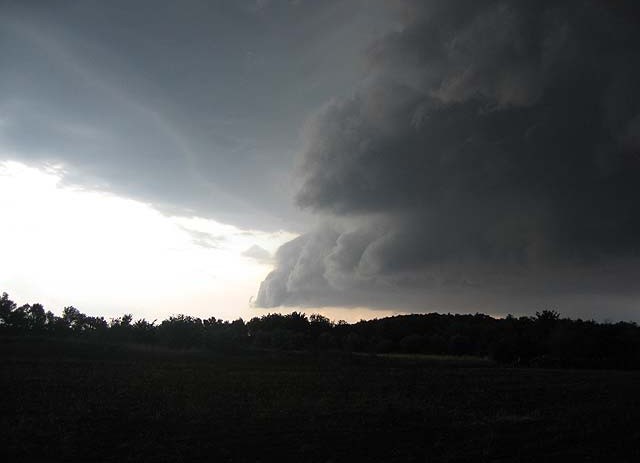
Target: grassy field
{"points": [[76, 401]]}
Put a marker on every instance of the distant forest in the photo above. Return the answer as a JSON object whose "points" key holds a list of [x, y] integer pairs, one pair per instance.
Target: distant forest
{"points": [[543, 340]]}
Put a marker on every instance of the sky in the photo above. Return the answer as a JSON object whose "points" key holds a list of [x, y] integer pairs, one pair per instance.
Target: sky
{"points": [[357, 158]]}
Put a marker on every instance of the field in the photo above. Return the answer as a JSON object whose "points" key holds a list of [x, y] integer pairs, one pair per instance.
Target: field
{"points": [[75, 401]]}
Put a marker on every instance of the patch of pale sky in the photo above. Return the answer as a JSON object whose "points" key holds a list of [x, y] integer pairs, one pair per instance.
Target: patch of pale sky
{"points": [[108, 255]]}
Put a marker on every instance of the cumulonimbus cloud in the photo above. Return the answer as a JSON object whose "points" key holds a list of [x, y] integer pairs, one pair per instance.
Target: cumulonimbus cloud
{"points": [[493, 153]]}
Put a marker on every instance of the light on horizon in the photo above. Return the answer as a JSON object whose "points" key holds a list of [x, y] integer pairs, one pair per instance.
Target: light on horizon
{"points": [[108, 255]]}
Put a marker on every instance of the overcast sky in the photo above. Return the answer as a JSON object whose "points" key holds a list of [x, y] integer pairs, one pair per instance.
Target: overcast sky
{"points": [[356, 157]]}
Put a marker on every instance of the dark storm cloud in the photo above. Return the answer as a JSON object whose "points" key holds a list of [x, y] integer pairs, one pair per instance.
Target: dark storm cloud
{"points": [[491, 159], [191, 106]]}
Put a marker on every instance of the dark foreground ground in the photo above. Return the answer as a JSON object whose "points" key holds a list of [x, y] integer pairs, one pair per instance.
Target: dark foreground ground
{"points": [[74, 401]]}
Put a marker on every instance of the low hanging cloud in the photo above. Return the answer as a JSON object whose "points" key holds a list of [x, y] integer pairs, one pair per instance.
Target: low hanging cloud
{"points": [[259, 254], [490, 161]]}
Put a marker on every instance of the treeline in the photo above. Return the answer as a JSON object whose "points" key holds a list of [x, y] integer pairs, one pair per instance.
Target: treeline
{"points": [[545, 340]]}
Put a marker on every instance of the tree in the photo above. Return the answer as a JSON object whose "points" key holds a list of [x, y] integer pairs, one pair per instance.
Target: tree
{"points": [[73, 319], [36, 318], [6, 307], [547, 316]]}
